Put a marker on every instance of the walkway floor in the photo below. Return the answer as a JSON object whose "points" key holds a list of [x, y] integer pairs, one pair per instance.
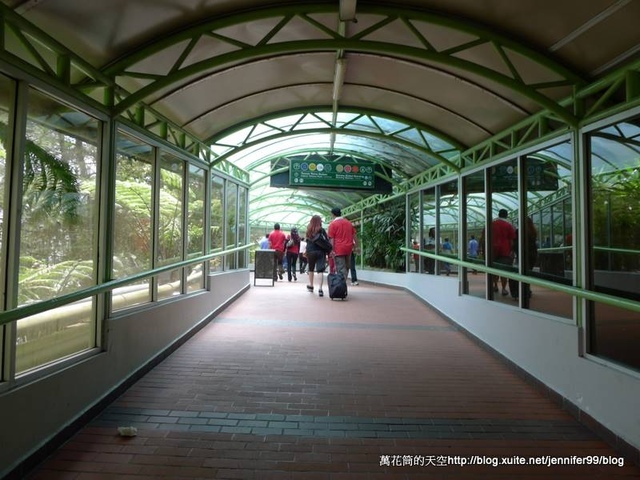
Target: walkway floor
{"points": [[286, 385]]}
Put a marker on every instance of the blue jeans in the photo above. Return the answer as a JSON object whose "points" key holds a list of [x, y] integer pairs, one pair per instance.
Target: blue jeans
{"points": [[354, 276]]}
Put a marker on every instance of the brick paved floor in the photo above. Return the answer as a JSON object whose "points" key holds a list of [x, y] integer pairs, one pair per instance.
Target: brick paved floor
{"points": [[286, 385]]}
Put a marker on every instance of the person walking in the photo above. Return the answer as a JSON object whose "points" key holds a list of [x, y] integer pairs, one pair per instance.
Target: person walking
{"points": [[355, 251], [447, 249], [315, 255], [302, 255], [502, 236], [341, 234], [293, 249], [472, 251], [264, 243], [277, 240]]}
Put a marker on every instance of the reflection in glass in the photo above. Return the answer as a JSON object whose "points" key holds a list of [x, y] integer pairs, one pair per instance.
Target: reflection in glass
{"points": [[58, 223], [169, 284], [413, 260], [475, 282], [547, 228], [217, 228], [6, 89], [195, 227], [615, 238], [242, 225], [132, 239], [53, 335], [232, 225], [195, 220], [446, 244], [170, 237], [170, 218], [501, 231], [428, 234]]}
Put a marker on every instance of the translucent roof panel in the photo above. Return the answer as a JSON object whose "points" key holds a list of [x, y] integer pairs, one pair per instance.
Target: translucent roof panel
{"points": [[406, 150]]}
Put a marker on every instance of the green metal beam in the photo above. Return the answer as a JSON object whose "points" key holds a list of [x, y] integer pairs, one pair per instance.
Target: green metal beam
{"points": [[316, 111], [285, 18], [355, 133]]}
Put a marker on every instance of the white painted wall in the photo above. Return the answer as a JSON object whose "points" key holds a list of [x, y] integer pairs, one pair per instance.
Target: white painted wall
{"points": [[32, 414], [545, 347]]}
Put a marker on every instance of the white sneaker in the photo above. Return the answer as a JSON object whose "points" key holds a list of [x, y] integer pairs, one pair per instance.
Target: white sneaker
{"points": [[355, 283]]}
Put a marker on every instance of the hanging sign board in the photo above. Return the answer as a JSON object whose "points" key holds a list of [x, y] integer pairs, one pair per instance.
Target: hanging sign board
{"points": [[337, 174]]}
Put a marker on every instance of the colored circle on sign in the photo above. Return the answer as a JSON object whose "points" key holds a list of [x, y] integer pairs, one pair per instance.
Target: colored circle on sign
{"points": [[312, 167], [355, 169], [320, 167], [347, 168], [304, 167], [339, 168]]}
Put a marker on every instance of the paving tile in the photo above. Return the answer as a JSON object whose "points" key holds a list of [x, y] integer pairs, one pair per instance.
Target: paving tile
{"points": [[325, 393]]}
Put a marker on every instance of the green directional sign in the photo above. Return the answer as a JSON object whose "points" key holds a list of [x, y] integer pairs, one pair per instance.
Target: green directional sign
{"points": [[337, 174]]}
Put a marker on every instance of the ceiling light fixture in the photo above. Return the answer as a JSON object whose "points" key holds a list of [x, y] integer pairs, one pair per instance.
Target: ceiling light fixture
{"points": [[338, 79], [347, 10]]}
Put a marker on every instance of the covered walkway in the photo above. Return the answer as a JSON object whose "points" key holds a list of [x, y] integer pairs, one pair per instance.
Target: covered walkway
{"points": [[283, 384]]}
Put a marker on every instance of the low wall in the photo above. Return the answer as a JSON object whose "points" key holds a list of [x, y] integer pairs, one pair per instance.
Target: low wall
{"points": [[33, 414], [545, 347]]}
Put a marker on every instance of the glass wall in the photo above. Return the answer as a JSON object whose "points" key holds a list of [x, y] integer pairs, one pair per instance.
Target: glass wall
{"points": [[157, 218], [448, 214], [195, 226], [413, 260], [133, 220], [232, 224], [170, 221], [428, 234], [614, 332], [475, 282], [217, 221], [6, 113], [58, 224], [243, 195], [547, 243]]}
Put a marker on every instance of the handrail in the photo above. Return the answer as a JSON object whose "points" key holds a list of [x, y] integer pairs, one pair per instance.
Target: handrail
{"points": [[575, 291], [28, 310], [564, 248]]}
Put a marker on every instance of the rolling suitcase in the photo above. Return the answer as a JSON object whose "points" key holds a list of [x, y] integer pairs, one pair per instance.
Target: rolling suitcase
{"points": [[337, 286]]}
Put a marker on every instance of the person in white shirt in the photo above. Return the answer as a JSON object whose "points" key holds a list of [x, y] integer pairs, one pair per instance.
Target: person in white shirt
{"points": [[302, 256]]}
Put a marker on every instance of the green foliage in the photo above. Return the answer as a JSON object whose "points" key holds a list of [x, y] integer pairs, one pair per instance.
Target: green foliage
{"points": [[616, 223], [38, 282], [49, 184], [382, 236]]}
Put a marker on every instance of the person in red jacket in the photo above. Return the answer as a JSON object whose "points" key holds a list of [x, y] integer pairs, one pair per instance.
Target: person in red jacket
{"points": [[502, 236], [293, 249], [277, 240], [341, 234]]}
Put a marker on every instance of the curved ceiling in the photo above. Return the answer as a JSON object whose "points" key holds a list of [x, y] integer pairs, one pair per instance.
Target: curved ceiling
{"points": [[409, 84]]}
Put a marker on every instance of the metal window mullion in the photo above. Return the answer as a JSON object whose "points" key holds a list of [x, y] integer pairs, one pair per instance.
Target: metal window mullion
{"points": [[582, 256], [407, 231], [13, 224], [237, 226], [225, 185], [436, 246], [421, 228], [155, 221], [247, 232], [208, 189], [523, 227], [488, 240], [106, 192], [186, 175], [463, 285]]}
